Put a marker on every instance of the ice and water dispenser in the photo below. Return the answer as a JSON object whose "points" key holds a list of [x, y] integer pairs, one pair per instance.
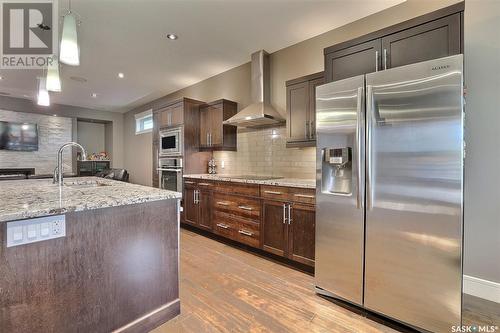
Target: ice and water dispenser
{"points": [[337, 170]]}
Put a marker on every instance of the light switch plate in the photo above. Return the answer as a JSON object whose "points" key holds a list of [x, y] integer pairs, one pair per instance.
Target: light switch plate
{"points": [[35, 230]]}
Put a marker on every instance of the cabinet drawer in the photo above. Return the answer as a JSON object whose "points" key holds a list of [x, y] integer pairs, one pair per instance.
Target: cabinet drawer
{"points": [[235, 188], [238, 229], [302, 195], [292, 194], [225, 226], [237, 205], [249, 233], [274, 192]]}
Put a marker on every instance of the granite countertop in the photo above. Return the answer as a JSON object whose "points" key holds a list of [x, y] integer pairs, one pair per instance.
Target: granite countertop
{"points": [[30, 198], [288, 182]]}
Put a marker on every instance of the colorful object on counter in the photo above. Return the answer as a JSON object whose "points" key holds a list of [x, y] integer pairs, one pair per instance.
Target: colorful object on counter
{"points": [[212, 167], [102, 156]]}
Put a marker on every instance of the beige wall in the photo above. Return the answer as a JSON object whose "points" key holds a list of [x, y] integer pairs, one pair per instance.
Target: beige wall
{"points": [[482, 134], [297, 60], [91, 136]]}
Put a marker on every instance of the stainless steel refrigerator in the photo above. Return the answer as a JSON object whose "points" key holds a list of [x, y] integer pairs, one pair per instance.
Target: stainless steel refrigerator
{"points": [[389, 212]]}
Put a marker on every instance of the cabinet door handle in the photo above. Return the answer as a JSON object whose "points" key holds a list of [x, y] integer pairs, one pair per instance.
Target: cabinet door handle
{"points": [[376, 61], [245, 207], [194, 197], [273, 192], [284, 213], [210, 136], [304, 196], [222, 203], [223, 226], [312, 131], [290, 214], [208, 140], [307, 130], [385, 58], [246, 233]]}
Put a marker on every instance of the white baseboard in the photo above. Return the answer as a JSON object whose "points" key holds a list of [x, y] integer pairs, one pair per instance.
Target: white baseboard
{"points": [[482, 288]]}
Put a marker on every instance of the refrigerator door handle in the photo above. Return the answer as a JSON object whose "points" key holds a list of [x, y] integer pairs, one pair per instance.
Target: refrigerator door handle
{"points": [[359, 131], [369, 112]]}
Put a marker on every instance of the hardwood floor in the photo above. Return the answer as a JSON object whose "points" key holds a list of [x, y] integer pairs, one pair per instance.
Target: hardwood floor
{"points": [[225, 289]]}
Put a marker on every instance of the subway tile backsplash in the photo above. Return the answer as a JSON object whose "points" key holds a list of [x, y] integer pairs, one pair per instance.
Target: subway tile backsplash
{"points": [[264, 152]]}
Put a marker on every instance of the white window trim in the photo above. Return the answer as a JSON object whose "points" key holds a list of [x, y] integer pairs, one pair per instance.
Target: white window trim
{"points": [[140, 116]]}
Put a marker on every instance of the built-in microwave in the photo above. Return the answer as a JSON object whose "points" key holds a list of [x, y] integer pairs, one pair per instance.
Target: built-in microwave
{"points": [[171, 142]]}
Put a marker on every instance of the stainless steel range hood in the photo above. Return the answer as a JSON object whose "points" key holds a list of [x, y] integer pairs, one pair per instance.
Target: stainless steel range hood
{"points": [[260, 112]]}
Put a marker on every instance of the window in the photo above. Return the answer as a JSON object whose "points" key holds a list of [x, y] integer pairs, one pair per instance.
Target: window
{"points": [[144, 122]]}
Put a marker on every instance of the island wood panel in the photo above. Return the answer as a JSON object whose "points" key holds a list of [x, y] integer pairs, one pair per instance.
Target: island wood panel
{"points": [[114, 266]]}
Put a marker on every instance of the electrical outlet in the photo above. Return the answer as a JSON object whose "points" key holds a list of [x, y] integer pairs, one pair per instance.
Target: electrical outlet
{"points": [[35, 230]]}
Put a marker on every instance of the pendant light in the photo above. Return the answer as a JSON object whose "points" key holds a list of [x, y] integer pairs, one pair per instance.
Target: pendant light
{"points": [[53, 78], [43, 97], [70, 51]]}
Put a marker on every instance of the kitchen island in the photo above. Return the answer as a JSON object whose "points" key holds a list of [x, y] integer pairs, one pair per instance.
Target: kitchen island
{"points": [[112, 264]]}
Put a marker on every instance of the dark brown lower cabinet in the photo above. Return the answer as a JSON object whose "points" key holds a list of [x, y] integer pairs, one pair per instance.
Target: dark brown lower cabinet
{"points": [[251, 215], [191, 211], [289, 230], [275, 227], [205, 209], [301, 233]]}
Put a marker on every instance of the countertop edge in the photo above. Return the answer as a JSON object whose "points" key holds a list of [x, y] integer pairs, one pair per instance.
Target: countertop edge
{"points": [[285, 182]]}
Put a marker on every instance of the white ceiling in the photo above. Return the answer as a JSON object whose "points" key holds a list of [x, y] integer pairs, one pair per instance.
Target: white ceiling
{"points": [[129, 36]]}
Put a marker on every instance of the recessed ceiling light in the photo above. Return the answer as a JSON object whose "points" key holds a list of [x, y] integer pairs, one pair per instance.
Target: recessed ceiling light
{"points": [[94, 95], [55, 115], [172, 36], [1, 77], [121, 75]]}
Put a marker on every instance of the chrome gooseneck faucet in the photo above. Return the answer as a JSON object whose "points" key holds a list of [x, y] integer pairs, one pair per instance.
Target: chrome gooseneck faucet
{"points": [[58, 171]]}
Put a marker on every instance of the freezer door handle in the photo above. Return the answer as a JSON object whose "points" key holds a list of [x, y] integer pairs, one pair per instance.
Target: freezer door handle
{"points": [[359, 140], [369, 162]]}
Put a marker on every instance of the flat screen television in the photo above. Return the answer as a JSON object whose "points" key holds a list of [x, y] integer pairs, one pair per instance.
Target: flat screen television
{"points": [[18, 136]]}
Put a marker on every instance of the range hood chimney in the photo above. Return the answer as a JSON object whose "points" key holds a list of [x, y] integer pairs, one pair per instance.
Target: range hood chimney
{"points": [[260, 112]]}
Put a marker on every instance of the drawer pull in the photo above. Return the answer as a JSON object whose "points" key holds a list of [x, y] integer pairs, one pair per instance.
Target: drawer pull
{"points": [[304, 196], [222, 203], [246, 233], [223, 226], [188, 182], [204, 184], [273, 192], [245, 208]]}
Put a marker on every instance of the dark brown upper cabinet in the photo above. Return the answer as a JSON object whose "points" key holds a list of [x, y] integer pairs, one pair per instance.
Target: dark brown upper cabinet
{"points": [[301, 110], [214, 135], [431, 36], [352, 61]]}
